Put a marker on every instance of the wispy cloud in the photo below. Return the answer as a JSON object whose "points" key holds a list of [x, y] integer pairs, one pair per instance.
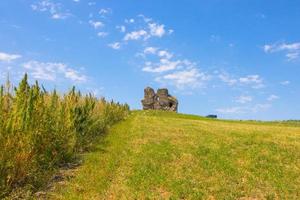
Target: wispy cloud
{"points": [[165, 54], [104, 12], [272, 97], [115, 45], [121, 28], [150, 50], [136, 35], [102, 34], [52, 71], [54, 9], [129, 21], [232, 110], [244, 109], [291, 50], [145, 19], [285, 82], [244, 99], [293, 55], [163, 66], [226, 78], [254, 81], [96, 24], [91, 3], [281, 47], [186, 78], [6, 57]]}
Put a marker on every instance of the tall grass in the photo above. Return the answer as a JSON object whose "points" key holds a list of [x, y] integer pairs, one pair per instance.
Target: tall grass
{"points": [[41, 130]]}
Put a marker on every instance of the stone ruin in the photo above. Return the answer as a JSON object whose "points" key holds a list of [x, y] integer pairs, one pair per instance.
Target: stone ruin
{"points": [[159, 101]]}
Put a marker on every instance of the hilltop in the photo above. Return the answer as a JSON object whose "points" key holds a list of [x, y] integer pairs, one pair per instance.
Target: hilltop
{"points": [[163, 155]]}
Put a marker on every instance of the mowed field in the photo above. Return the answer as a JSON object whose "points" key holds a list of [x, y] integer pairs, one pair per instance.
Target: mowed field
{"points": [[161, 155]]}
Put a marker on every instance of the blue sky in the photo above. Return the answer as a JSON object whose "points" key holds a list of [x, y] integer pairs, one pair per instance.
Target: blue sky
{"points": [[239, 59]]}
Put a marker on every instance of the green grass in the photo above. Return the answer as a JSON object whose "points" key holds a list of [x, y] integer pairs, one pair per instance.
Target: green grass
{"points": [[160, 155]]}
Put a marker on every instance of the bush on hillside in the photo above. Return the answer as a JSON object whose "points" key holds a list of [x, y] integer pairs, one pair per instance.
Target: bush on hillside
{"points": [[40, 130]]}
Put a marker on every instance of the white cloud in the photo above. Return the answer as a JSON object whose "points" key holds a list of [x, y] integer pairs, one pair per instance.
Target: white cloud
{"points": [[8, 57], [105, 11], [157, 30], [244, 99], [162, 54], [91, 3], [147, 29], [115, 45], [96, 24], [260, 107], [146, 19], [102, 34], [188, 78], [76, 1], [171, 31], [150, 50], [121, 28], [136, 35], [74, 75], [163, 66], [269, 48], [227, 79], [231, 110], [289, 47], [51, 71], [175, 72], [165, 54], [60, 16], [165, 63], [292, 55], [255, 81], [129, 21], [54, 9], [272, 97], [250, 79], [285, 82], [292, 50], [244, 109]]}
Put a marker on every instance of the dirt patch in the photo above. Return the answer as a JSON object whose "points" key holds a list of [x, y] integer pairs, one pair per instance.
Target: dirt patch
{"points": [[66, 172]]}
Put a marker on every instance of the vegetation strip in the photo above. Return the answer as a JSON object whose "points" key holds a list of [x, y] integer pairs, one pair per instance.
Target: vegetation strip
{"points": [[41, 131]]}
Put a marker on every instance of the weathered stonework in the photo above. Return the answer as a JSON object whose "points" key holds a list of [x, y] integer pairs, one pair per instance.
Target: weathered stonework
{"points": [[159, 101]]}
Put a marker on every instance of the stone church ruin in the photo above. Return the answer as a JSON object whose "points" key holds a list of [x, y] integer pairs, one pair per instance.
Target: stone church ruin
{"points": [[161, 100]]}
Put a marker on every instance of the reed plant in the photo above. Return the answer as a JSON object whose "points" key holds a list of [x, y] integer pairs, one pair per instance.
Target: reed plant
{"points": [[41, 130]]}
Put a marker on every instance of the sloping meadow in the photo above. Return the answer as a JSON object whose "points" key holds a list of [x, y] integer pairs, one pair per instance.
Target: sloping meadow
{"points": [[164, 155], [41, 130]]}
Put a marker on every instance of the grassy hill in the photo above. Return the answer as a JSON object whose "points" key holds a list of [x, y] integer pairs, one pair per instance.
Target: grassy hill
{"points": [[159, 155]]}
